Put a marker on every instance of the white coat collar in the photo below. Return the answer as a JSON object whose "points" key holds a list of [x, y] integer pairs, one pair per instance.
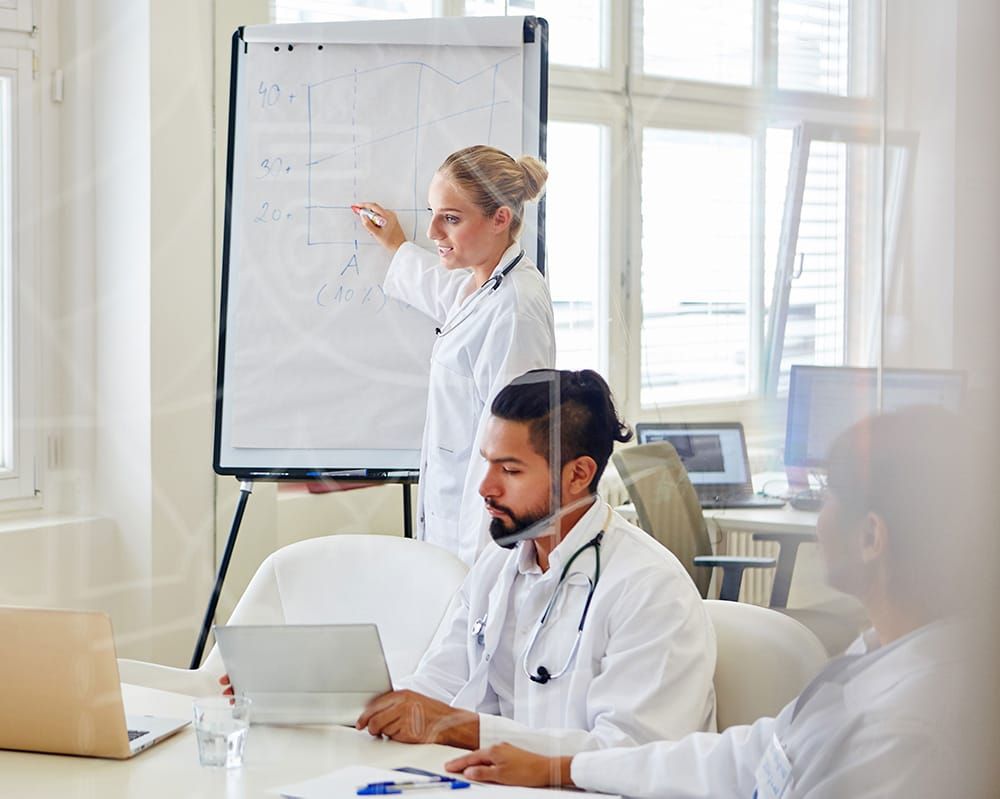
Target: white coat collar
{"points": [[585, 529], [884, 667], [472, 287], [527, 556]]}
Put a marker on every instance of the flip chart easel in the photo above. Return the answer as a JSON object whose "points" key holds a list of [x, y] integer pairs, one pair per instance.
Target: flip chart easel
{"points": [[321, 375]]}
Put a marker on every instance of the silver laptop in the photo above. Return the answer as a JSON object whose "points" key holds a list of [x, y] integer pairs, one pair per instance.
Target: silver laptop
{"points": [[305, 673], [715, 456], [60, 691]]}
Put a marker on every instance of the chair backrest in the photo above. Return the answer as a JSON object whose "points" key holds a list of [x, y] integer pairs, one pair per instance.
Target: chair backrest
{"points": [[401, 585], [764, 661], [666, 504]]}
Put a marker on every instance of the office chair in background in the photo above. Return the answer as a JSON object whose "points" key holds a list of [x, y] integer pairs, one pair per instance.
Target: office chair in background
{"points": [[668, 509], [403, 586], [764, 661]]}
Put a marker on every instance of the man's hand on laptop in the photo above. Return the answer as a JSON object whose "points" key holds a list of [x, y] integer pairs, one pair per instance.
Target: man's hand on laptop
{"points": [[414, 718], [509, 765]]}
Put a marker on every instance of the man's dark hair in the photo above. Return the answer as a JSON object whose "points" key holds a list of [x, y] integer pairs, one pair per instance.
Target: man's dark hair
{"points": [[910, 468], [588, 422]]}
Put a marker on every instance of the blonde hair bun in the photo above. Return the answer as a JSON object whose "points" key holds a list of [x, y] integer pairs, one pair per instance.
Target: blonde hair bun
{"points": [[535, 175], [492, 178]]}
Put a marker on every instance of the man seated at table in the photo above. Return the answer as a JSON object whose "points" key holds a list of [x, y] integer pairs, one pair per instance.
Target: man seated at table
{"points": [[890, 718], [577, 630]]}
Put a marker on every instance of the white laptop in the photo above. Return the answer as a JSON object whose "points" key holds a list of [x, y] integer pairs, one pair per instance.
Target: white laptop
{"points": [[60, 691], [305, 673], [715, 456]]}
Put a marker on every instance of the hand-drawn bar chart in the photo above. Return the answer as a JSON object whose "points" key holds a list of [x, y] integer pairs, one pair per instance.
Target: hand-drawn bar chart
{"points": [[320, 357]]}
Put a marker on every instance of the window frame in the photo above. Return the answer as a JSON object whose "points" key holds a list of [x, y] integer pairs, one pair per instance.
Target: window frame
{"points": [[593, 109], [676, 104], [20, 485], [17, 18]]}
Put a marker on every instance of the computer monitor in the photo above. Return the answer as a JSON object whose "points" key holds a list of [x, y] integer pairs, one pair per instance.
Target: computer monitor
{"points": [[823, 401]]}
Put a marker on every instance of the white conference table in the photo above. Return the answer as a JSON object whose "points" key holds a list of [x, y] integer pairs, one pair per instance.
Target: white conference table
{"points": [[275, 757]]}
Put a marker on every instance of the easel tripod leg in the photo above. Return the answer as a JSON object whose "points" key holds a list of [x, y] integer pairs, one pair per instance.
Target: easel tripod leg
{"points": [[246, 488], [407, 511]]}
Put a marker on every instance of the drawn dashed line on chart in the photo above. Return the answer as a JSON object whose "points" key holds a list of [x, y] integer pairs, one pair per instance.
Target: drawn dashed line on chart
{"points": [[416, 150]]}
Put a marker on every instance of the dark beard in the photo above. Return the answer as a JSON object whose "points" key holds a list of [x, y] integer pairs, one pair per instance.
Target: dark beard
{"points": [[507, 536]]}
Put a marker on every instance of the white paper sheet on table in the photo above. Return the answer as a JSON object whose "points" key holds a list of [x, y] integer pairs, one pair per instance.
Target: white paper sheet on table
{"points": [[345, 782]]}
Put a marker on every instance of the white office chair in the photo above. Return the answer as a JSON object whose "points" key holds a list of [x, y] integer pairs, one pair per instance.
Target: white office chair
{"points": [[401, 585], [764, 661]]}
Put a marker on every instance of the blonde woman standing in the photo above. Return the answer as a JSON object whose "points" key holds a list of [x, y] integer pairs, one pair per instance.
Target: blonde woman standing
{"points": [[494, 317]]}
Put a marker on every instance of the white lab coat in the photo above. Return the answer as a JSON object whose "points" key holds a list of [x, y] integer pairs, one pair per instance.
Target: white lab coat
{"points": [[645, 663], [508, 332], [881, 724]]}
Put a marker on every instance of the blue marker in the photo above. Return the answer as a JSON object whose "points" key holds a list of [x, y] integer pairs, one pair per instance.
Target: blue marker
{"points": [[384, 788]]}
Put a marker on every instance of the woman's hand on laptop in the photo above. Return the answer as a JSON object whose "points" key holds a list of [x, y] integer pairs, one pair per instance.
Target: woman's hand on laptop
{"points": [[414, 718], [224, 681]]}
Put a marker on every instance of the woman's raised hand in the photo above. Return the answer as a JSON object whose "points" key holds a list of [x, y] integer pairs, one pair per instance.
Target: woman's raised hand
{"points": [[390, 235]]}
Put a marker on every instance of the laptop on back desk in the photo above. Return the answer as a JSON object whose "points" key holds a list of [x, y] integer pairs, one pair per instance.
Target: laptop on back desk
{"points": [[715, 456]]}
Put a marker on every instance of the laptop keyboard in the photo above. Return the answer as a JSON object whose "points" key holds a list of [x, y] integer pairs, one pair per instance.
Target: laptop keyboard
{"points": [[133, 734], [740, 500]]}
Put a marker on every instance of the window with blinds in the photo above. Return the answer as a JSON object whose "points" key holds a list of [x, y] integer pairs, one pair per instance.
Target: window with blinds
{"points": [[577, 32], [346, 10], [576, 236], [710, 40], [696, 248], [713, 202], [814, 45]]}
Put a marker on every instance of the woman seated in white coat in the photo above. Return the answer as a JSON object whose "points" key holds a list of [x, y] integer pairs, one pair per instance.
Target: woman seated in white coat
{"points": [[575, 630], [898, 715], [494, 318]]}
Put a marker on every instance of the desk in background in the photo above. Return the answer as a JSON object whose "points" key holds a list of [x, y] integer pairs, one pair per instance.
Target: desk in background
{"points": [[785, 526]]}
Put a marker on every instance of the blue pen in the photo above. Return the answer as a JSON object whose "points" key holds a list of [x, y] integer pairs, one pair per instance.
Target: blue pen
{"points": [[382, 788]]}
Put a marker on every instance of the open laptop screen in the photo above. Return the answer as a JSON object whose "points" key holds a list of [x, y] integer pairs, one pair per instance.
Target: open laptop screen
{"points": [[713, 454]]}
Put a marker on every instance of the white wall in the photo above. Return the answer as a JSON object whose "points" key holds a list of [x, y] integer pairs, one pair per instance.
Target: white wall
{"points": [[128, 521], [921, 51], [977, 193], [943, 62], [121, 190], [181, 304]]}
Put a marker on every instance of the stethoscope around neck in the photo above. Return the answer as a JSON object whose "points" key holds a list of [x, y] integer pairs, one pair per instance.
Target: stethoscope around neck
{"points": [[488, 287], [542, 675]]}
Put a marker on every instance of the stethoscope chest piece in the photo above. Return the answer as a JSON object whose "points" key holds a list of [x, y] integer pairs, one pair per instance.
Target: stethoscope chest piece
{"points": [[479, 630], [542, 675]]}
